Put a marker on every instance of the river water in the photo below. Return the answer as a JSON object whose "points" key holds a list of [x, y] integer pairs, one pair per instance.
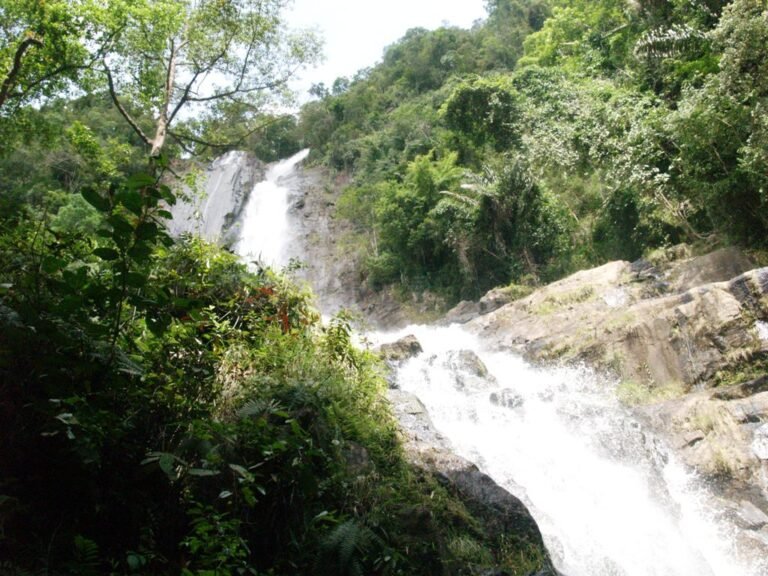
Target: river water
{"points": [[610, 500]]}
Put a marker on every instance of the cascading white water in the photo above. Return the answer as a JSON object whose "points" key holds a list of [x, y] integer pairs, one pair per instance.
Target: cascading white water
{"points": [[609, 500], [265, 221]]}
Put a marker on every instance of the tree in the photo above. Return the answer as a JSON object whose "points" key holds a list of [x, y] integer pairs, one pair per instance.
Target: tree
{"points": [[201, 56], [42, 47], [484, 110]]}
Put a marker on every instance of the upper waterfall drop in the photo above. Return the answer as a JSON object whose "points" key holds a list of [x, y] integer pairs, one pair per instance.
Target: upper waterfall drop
{"points": [[264, 226]]}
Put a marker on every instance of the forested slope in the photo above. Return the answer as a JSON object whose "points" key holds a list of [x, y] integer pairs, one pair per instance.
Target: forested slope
{"points": [[554, 136]]}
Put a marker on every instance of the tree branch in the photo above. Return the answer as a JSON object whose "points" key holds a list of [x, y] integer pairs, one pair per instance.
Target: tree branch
{"points": [[184, 97], [10, 79], [128, 118], [182, 138]]}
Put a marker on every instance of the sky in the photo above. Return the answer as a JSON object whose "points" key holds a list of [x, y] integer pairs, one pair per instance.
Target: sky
{"points": [[357, 31]]}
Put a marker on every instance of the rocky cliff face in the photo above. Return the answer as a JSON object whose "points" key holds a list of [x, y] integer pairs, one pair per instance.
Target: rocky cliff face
{"points": [[213, 206], [687, 341], [332, 263]]}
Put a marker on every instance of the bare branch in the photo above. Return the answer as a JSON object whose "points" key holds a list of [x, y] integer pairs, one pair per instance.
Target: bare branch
{"points": [[128, 118], [184, 97]]}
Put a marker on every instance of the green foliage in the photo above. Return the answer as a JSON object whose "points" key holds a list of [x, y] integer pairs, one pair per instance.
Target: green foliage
{"points": [[509, 23], [483, 111], [68, 145], [638, 125], [583, 35], [719, 131], [42, 47]]}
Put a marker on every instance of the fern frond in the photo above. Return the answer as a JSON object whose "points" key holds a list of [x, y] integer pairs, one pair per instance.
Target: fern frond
{"points": [[669, 42]]}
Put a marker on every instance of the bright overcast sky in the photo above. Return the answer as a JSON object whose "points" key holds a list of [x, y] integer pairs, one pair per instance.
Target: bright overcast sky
{"points": [[357, 31]]}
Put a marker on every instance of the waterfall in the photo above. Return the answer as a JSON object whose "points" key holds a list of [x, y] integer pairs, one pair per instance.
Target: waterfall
{"points": [[610, 500], [265, 221]]}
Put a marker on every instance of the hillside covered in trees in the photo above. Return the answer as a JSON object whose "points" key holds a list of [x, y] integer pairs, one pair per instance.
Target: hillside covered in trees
{"points": [[167, 410], [551, 137]]}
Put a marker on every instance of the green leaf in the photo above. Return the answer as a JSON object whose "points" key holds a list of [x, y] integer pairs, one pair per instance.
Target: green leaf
{"points": [[140, 251], [51, 264], [202, 472], [147, 231], [136, 279], [140, 180], [164, 214], [70, 304], [96, 200], [131, 200], [75, 279], [122, 230], [161, 160], [167, 194], [157, 324], [242, 472], [136, 561], [120, 223], [128, 366], [166, 465], [107, 253]]}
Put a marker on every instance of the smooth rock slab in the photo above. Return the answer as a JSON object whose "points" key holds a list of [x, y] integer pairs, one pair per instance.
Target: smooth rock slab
{"points": [[760, 442]]}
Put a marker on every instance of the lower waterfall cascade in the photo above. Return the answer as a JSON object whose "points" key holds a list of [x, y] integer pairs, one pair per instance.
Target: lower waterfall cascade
{"points": [[609, 498]]}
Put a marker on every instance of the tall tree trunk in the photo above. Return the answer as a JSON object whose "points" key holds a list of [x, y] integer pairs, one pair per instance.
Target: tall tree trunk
{"points": [[161, 132]]}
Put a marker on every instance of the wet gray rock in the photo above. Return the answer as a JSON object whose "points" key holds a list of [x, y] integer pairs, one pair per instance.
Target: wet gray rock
{"points": [[498, 511], [760, 442], [606, 317], [463, 312], [467, 310], [469, 371], [469, 362], [507, 398], [751, 517], [398, 352]]}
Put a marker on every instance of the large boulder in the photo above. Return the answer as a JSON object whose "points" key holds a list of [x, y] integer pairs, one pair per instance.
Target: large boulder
{"points": [[610, 317], [687, 339], [494, 299], [468, 370], [403, 349]]}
